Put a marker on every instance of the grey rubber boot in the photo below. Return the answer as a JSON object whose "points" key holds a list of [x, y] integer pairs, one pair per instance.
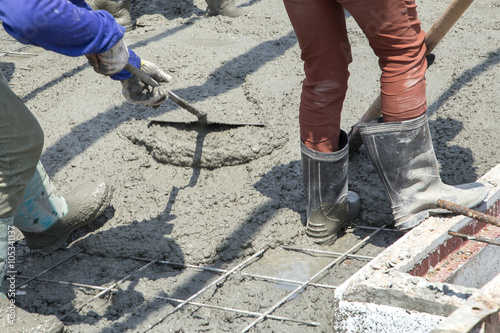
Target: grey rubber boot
{"points": [[84, 206], [120, 9], [223, 7], [46, 218], [403, 155], [330, 206]]}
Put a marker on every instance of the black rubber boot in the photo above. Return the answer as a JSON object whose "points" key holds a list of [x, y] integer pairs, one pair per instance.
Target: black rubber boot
{"points": [[84, 205], [223, 7], [403, 155], [120, 9], [330, 206]]}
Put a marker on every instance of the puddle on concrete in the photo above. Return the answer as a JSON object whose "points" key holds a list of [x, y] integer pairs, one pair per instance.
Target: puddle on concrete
{"points": [[289, 266], [296, 270]]}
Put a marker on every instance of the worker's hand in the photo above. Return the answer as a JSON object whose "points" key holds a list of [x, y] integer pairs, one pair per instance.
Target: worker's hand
{"points": [[137, 92], [111, 61]]}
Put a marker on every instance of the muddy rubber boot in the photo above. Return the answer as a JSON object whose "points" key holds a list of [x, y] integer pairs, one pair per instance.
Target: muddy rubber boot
{"points": [[120, 9], [12, 318], [223, 7], [47, 219], [330, 206], [403, 155]]}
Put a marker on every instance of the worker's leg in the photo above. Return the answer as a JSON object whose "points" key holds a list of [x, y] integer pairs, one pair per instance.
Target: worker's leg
{"points": [[223, 7], [21, 142], [120, 9], [47, 218], [321, 32], [394, 33], [403, 155], [325, 50], [400, 144]]}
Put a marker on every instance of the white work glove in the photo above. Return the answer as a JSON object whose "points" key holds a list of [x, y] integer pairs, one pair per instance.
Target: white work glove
{"points": [[137, 92], [112, 61]]}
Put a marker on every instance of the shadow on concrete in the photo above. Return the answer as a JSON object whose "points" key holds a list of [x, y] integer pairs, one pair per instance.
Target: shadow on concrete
{"points": [[59, 155], [285, 177]]}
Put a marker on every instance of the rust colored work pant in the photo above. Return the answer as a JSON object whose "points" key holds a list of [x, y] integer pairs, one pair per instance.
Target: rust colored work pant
{"points": [[393, 31]]}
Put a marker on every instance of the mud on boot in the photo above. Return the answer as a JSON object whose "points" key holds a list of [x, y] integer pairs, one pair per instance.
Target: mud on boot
{"points": [[120, 9], [403, 155], [223, 7], [47, 219], [330, 206]]}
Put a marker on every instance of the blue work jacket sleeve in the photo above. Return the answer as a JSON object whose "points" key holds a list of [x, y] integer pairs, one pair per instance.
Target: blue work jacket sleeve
{"points": [[70, 27]]}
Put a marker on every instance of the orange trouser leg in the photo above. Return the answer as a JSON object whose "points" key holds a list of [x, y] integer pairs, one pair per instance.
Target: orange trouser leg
{"points": [[322, 36], [394, 33]]}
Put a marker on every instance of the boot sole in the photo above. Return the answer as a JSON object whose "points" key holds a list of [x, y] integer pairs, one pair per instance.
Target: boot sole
{"points": [[62, 238], [420, 217]]}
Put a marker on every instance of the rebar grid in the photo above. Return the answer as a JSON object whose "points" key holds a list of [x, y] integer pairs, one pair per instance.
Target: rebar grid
{"points": [[314, 277], [263, 277], [108, 289], [170, 299], [376, 228], [245, 312], [237, 267], [226, 273], [51, 267], [327, 252], [220, 270]]}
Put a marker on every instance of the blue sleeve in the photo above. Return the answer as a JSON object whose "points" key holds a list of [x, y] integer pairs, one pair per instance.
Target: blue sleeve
{"points": [[71, 27], [123, 75]]}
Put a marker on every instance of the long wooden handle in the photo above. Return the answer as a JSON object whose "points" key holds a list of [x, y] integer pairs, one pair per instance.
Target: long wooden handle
{"points": [[445, 22], [438, 30]]}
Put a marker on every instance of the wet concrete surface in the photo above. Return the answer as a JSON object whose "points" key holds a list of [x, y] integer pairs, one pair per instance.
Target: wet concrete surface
{"points": [[216, 199]]}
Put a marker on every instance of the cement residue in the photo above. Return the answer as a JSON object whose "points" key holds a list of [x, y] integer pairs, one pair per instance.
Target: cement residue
{"points": [[210, 147], [247, 193]]}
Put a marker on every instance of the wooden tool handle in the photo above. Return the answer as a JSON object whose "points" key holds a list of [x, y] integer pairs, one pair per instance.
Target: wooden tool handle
{"points": [[438, 30], [145, 78], [445, 22]]}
